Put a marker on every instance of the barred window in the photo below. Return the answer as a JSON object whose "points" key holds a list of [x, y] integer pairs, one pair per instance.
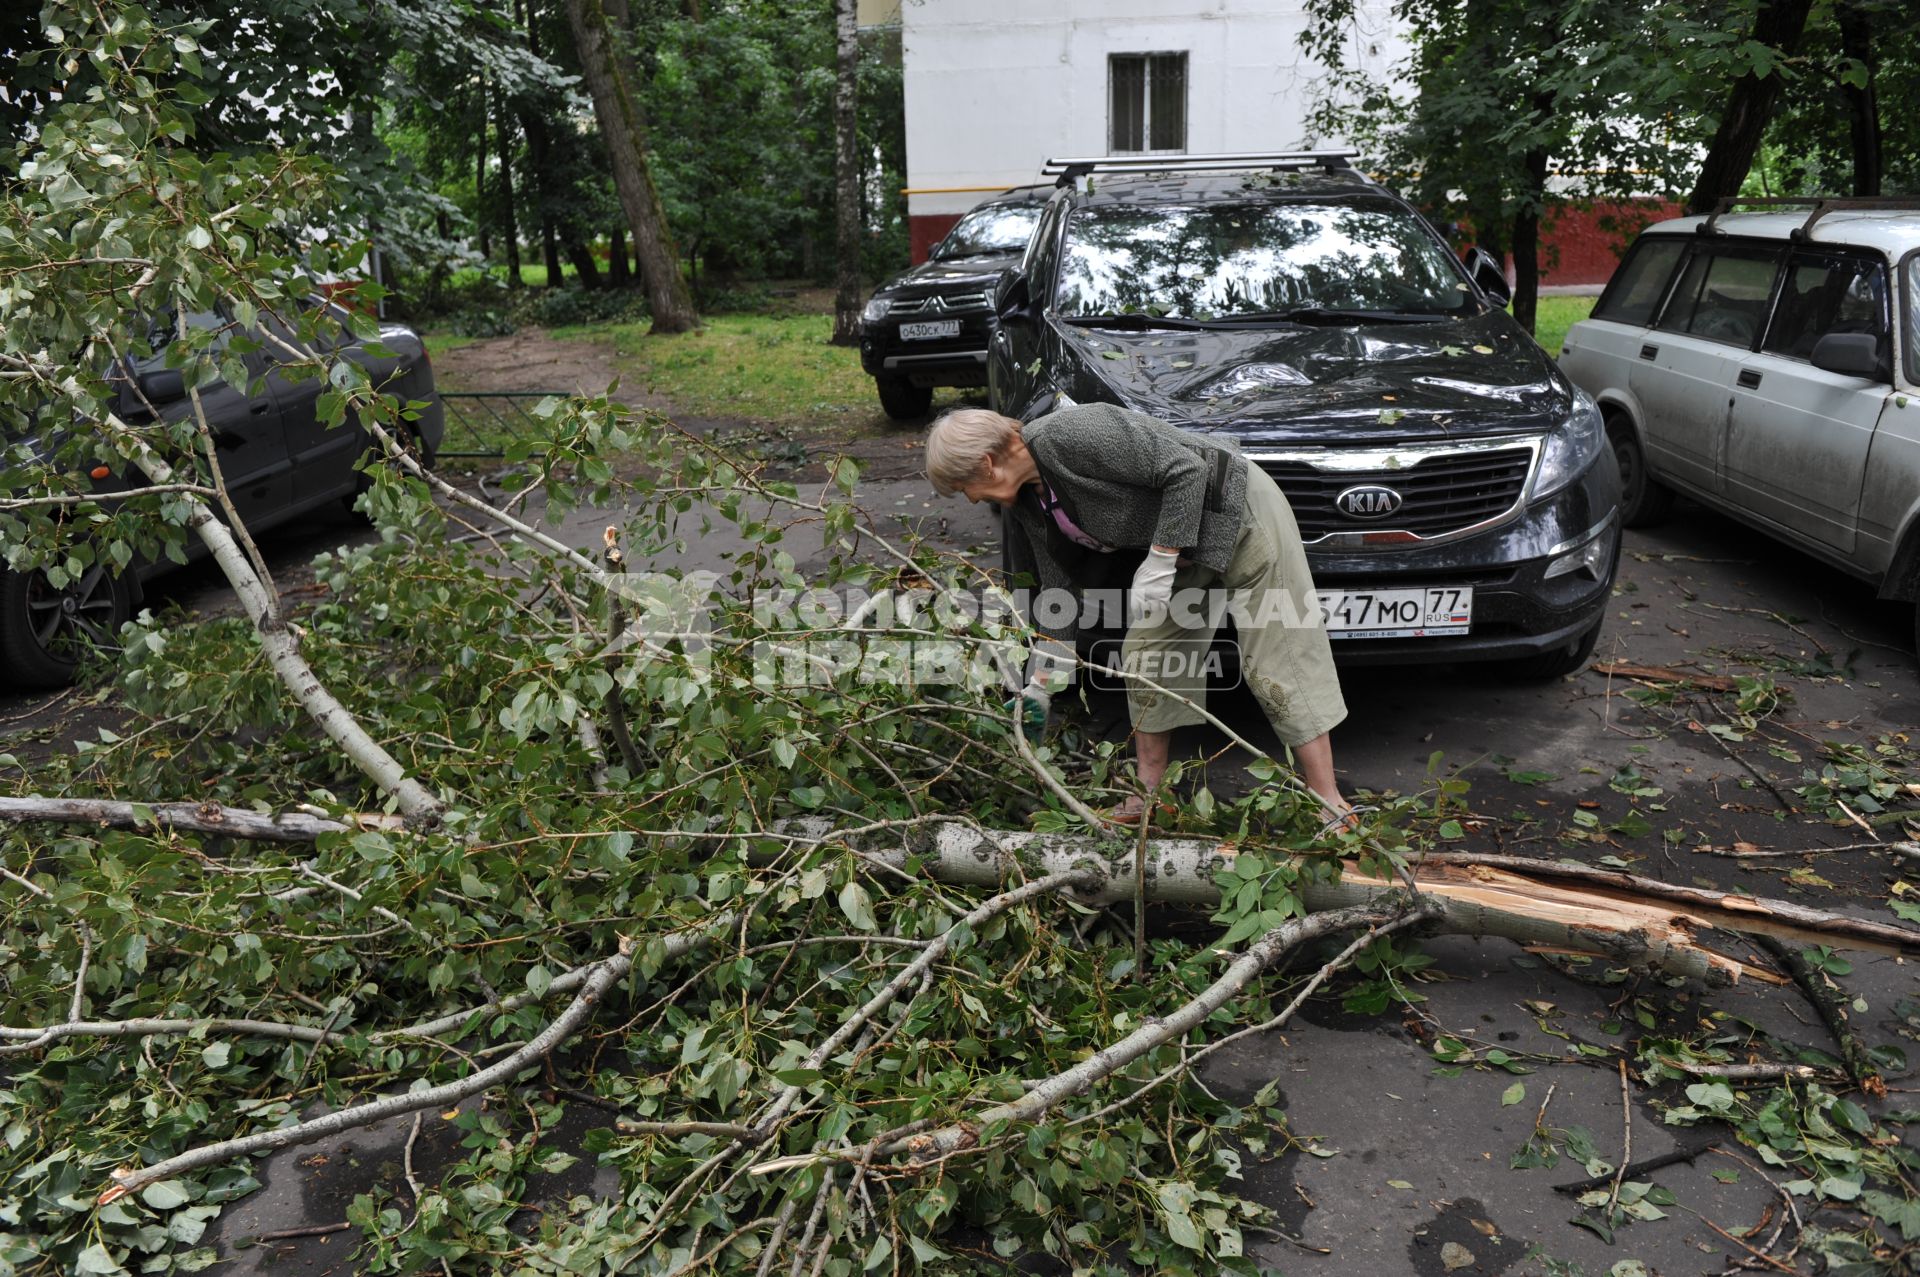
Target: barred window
{"points": [[1147, 102]]}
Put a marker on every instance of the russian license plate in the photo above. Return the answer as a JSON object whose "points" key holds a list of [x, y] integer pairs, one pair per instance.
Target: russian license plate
{"points": [[1408, 613], [931, 328]]}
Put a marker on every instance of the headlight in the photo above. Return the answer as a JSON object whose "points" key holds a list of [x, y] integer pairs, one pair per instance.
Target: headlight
{"points": [[1571, 446], [876, 310]]}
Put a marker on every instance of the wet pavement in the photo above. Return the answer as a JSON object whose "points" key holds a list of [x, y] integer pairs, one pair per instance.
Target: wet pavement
{"points": [[1397, 1163]]}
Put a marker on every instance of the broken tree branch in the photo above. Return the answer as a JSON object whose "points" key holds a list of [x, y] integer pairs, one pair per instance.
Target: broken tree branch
{"points": [[1258, 956], [1620, 917], [198, 818], [281, 644], [1659, 674], [1832, 1007], [605, 974]]}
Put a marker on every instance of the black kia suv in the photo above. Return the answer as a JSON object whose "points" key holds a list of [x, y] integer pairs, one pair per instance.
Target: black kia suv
{"points": [[1453, 489], [930, 326]]}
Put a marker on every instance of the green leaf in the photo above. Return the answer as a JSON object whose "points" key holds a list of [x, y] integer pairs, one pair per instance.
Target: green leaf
{"points": [[1851, 1116], [539, 980], [168, 1194], [1513, 1095], [1716, 1097], [858, 906], [215, 1054], [95, 1259]]}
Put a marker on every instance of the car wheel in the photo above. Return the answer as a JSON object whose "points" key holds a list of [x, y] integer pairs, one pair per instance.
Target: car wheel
{"points": [[45, 631], [1644, 500], [1557, 663], [903, 400]]}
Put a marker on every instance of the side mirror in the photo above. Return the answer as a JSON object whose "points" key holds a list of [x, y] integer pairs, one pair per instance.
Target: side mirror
{"points": [[163, 385], [1489, 274], [1849, 354], [1016, 303]]}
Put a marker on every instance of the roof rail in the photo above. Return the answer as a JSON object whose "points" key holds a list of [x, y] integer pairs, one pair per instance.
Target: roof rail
{"points": [[1070, 169], [1818, 206]]}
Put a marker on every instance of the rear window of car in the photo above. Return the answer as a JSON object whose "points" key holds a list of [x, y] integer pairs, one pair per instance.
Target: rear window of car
{"points": [[987, 231], [1912, 343], [1217, 261], [1828, 293], [1722, 294], [1635, 290]]}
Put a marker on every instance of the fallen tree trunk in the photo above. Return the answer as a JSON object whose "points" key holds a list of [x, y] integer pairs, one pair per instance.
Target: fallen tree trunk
{"points": [[198, 818], [1544, 906]]}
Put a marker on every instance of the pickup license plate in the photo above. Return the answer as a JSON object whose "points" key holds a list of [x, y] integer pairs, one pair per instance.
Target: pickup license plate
{"points": [[1408, 613], [931, 328]]}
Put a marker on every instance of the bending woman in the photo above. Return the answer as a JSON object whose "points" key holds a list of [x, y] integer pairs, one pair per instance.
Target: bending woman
{"points": [[1092, 480]]}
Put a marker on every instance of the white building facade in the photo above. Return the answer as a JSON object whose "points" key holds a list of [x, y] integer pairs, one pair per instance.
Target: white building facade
{"points": [[994, 88]]}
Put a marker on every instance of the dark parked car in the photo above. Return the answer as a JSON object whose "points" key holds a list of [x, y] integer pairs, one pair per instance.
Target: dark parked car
{"points": [[276, 454], [930, 326], [1453, 488]]}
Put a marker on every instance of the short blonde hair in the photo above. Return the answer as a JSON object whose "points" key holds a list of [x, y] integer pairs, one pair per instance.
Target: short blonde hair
{"points": [[960, 442]]}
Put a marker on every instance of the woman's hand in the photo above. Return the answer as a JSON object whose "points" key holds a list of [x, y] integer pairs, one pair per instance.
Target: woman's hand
{"points": [[1152, 591]]}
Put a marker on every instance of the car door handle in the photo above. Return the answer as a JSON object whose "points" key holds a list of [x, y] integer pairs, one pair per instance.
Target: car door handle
{"points": [[261, 409], [1648, 352], [229, 439], [1748, 379]]}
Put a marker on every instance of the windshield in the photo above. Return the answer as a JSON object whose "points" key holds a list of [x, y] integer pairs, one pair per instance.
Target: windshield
{"points": [[1004, 229], [1219, 261]]}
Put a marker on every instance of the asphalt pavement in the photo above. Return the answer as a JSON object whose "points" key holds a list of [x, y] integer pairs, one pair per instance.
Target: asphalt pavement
{"points": [[1396, 1163]]}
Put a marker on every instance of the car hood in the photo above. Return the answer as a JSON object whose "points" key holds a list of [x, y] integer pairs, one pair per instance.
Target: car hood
{"points": [[966, 274], [1384, 382]]}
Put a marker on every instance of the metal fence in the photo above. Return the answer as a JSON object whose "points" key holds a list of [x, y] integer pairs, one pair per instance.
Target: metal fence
{"points": [[482, 423]]}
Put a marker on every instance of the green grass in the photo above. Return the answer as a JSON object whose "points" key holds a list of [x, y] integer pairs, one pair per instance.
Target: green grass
{"points": [[1555, 316], [775, 369], [440, 343], [533, 274]]}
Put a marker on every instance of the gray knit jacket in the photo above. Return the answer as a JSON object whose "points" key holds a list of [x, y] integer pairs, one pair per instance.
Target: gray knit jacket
{"points": [[1129, 481]]}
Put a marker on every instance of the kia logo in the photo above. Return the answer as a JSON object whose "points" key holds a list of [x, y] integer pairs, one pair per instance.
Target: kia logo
{"points": [[1368, 501]]}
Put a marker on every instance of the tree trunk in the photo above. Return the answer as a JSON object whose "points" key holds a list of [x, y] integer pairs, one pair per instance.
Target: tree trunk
{"points": [[480, 180], [535, 130], [625, 134], [1856, 42], [618, 276], [846, 172], [1749, 106], [583, 264], [509, 224], [550, 253], [1526, 230], [1626, 920]]}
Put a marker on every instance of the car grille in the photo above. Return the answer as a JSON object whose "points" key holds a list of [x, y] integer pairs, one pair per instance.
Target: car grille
{"points": [[1439, 494], [938, 305]]}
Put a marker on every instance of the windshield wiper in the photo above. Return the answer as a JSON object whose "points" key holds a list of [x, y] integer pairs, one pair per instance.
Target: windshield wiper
{"points": [[979, 252], [1132, 319], [1333, 315]]}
